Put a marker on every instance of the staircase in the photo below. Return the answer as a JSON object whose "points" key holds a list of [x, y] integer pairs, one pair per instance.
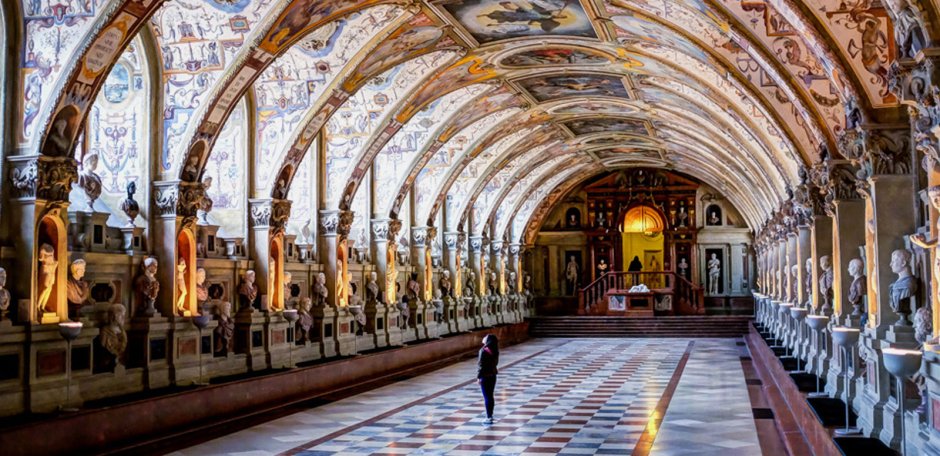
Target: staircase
{"points": [[683, 327]]}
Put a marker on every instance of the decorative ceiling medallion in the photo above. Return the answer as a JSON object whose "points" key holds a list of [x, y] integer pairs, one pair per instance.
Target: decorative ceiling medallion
{"points": [[545, 88], [489, 21]]}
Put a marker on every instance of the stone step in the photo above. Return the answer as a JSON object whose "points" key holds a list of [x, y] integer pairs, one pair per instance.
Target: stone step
{"points": [[601, 326]]}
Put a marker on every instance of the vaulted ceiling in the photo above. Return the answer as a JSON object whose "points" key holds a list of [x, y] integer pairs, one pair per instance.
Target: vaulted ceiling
{"points": [[485, 110]]}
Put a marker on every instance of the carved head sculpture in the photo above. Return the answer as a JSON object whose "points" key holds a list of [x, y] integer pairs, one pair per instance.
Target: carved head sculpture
{"points": [[131, 189], [200, 276], [305, 305], [900, 259], [446, 274], [824, 263], [856, 267], [288, 278], [117, 314], [78, 269], [809, 265], [3, 278], [373, 276], [150, 267], [249, 277], [225, 310], [321, 279], [90, 163], [795, 271], [714, 256]]}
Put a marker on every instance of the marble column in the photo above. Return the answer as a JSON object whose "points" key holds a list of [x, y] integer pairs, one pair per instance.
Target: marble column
{"points": [[380, 245], [419, 245]]}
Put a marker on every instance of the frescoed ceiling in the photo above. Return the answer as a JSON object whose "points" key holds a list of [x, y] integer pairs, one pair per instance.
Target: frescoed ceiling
{"points": [[482, 109]]}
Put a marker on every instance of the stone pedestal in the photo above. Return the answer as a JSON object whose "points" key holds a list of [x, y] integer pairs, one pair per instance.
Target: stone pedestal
{"points": [[345, 325], [377, 323], [89, 231], [13, 347], [417, 319], [48, 375], [149, 348], [276, 343], [133, 240], [323, 330], [184, 351], [250, 329], [393, 326], [206, 243], [451, 323], [929, 435]]}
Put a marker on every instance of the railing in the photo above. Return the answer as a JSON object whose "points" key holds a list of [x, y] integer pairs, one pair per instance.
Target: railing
{"points": [[686, 296]]}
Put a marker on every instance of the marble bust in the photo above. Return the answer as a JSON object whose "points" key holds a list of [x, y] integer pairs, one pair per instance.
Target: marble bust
{"points": [[414, 288], [202, 289], [320, 292], [808, 282], [113, 336], [248, 292], [77, 290], [225, 331], [857, 289], [372, 288], [305, 321], [469, 289], [903, 289], [825, 283], [794, 284], [147, 287], [444, 284]]}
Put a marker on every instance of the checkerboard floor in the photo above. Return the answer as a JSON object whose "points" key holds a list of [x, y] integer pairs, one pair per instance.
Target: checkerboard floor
{"points": [[554, 396]]}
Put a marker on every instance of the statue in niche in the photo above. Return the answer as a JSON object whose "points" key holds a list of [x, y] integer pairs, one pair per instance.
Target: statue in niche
{"points": [[602, 267], [492, 284], [47, 270], [147, 288], [4, 296], [320, 292], [89, 180], [933, 193], [414, 288], [713, 218], [857, 289], [683, 267], [202, 290], [573, 218], [77, 291], [248, 293], [808, 283], [683, 216], [355, 304], [304, 322], [129, 206], [373, 293], [225, 331], [714, 273], [903, 289], [205, 203], [182, 291], [571, 275], [444, 284], [794, 284], [111, 342], [511, 286], [340, 284], [825, 284]]}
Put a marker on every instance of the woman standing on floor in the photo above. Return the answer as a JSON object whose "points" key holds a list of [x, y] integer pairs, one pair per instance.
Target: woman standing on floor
{"points": [[486, 372]]}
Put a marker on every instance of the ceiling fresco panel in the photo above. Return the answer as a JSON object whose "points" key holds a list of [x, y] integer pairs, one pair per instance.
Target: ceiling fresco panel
{"points": [[553, 56], [607, 124], [489, 21], [547, 88]]}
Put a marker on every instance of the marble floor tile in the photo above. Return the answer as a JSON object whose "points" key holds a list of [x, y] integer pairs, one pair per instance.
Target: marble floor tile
{"points": [[554, 396]]}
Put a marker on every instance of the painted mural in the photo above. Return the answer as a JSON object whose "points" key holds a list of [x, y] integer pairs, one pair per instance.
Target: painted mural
{"points": [[607, 124], [293, 84], [595, 107], [397, 158], [227, 166], [304, 198], [489, 21], [546, 88], [197, 41], [512, 198], [432, 175], [117, 133], [553, 56], [352, 126]]}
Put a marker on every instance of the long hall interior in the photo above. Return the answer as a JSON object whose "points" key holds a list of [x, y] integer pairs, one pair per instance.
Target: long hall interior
{"points": [[285, 227]]}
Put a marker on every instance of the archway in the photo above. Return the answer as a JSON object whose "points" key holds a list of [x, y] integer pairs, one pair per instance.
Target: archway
{"points": [[642, 243]]}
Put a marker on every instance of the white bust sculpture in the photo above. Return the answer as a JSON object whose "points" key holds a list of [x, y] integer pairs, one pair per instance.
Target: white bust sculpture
{"points": [[903, 289], [4, 295]]}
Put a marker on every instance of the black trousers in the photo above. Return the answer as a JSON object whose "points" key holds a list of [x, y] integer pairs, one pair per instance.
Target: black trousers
{"points": [[488, 386]]}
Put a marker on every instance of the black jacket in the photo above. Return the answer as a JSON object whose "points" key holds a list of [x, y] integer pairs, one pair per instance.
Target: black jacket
{"points": [[486, 362]]}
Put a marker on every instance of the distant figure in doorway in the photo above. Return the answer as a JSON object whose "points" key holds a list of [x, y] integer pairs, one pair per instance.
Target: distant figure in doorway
{"points": [[486, 372], [635, 266]]}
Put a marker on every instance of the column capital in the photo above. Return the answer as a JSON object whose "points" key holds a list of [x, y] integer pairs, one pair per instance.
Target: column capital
{"points": [[476, 244], [419, 236], [267, 213], [42, 177], [328, 222], [380, 229], [451, 239]]}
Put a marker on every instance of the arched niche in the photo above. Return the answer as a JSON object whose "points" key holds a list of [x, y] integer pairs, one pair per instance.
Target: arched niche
{"points": [[276, 274], [50, 276], [428, 274], [342, 274], [714, 216], [184, 275]]}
